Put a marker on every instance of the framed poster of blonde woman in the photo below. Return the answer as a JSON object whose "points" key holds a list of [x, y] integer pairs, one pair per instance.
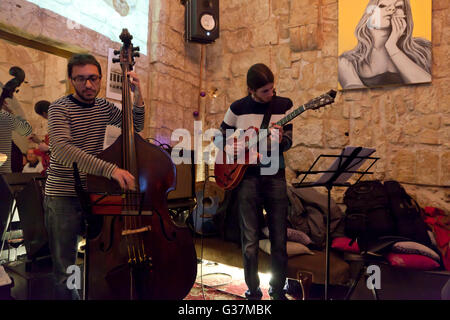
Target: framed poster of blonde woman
{"points": [[384, 43]]}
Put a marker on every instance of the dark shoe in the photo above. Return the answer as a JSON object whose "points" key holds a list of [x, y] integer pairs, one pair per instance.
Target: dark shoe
{"points": [[257, 295], [278, 296]]}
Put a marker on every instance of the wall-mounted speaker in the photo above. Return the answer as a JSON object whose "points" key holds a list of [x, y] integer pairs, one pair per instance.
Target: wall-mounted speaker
{"points": [[202, 20]]}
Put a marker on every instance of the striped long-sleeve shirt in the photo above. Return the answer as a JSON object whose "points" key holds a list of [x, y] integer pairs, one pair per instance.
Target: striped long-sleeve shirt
{"points": [[8, 123], [77, 131]]}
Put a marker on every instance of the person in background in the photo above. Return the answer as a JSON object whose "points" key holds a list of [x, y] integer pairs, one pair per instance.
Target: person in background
{"points": [[43, 149], [9, 123], [33, 163]]}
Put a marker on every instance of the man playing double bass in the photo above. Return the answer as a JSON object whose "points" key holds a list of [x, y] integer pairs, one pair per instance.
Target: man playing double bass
{"points": [[77, 124]]}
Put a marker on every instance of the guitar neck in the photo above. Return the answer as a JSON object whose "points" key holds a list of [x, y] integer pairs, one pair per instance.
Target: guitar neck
{"points": [[316, 103], [291, 116], [264, 134]]}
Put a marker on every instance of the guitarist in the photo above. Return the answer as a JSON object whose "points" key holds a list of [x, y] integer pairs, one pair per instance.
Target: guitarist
{"points": [[258, 190]]}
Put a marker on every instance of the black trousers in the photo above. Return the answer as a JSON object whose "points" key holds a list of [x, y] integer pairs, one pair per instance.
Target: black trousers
{"points": [[254, 193]]}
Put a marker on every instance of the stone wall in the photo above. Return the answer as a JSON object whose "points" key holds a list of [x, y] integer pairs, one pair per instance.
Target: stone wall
{"points": [[408, 126], [31, 22], [45, 79], [174, 73]]}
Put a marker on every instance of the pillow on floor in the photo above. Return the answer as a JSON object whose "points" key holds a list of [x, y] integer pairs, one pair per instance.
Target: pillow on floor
{"points": [[411, 261], [343, 244], [412, 247], [292, 248], [293, 235]]}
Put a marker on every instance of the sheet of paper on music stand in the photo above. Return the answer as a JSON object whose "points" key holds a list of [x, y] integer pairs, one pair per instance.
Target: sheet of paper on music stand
{"points": [[354, 165]]}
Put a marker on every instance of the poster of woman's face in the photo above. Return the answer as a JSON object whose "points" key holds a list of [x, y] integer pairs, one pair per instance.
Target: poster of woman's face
{"points": [[384, 43]]}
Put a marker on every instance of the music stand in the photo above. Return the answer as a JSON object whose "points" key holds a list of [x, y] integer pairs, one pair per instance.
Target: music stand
{"points": [[345, 165], [11, 184]]}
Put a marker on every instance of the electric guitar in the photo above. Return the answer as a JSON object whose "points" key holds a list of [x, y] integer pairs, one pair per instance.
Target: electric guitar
{"points": [[229, 172]]}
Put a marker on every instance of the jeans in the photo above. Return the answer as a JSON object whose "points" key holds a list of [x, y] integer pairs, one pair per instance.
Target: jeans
{"points": [[254, 192], [65, 224]]}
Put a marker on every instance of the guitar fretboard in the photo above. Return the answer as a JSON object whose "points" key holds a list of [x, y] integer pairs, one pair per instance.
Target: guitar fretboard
{"points": [[291, 116], [316, 103], [263, 134]]}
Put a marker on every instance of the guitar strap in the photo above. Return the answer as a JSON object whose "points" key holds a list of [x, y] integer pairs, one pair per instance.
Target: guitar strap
{"points": [[267, 115]]}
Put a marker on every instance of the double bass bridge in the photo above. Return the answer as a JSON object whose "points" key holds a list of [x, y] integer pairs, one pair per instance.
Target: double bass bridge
{"points": [[128, 232]]}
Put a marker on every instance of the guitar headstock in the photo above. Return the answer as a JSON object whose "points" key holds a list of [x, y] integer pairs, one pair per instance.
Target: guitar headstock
{"points": [[321, 101]]}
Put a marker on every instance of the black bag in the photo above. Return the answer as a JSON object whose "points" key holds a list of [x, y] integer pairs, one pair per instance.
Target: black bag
{"points": [[367, 215], [407, 214]]}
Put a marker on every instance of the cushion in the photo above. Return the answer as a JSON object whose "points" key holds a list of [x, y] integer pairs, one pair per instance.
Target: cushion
{"points": [[293, 235], [343, 244], [412, 247], [292, 248], [298, 236], [411, 261]]}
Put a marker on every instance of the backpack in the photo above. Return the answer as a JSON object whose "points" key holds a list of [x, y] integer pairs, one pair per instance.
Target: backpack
{"points": [[367, 215], [407, 214]]}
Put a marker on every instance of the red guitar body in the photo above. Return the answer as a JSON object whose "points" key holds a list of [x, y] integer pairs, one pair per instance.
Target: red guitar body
{"points": [[228, 176]]}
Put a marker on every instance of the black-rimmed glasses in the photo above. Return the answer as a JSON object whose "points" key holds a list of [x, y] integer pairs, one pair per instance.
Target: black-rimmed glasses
{"points": [[80, 80]]}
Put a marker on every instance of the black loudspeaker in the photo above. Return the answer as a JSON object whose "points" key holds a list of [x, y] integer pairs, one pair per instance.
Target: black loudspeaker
{"points": [[185, 185], [31, 215], [202, 20]]}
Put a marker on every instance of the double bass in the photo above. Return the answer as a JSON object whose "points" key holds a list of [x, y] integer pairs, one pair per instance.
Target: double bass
{"points": [[137, 252]]}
